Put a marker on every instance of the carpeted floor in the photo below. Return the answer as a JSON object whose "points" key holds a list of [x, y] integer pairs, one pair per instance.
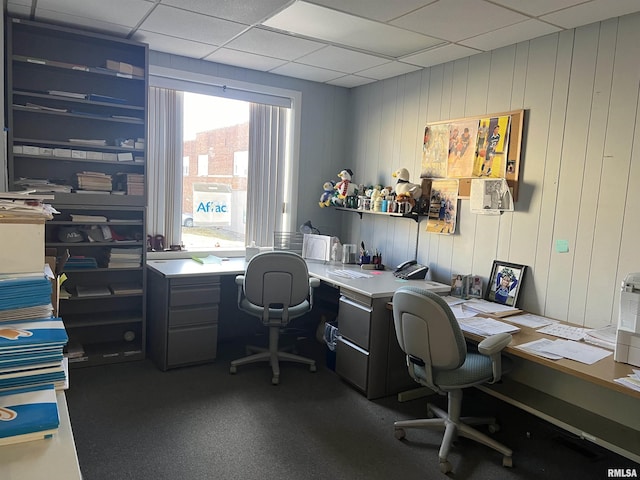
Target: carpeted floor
{"points": [[132, 421]]}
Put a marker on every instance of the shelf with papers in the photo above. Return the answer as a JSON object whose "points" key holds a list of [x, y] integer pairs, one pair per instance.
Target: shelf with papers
{"points": [[43, 63]]}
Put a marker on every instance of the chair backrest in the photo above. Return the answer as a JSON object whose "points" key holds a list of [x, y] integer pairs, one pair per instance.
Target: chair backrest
{"points": [[427, 330], [277, 277]]}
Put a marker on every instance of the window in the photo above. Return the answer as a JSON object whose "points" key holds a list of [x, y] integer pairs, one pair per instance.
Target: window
{"points": [[214, 201], [208, 201]]}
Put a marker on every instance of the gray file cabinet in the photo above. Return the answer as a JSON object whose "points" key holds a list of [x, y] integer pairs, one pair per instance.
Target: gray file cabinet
{"points": [[367, 353], [183, 319]]}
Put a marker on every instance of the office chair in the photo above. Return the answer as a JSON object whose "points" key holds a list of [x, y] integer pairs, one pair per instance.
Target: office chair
{"points": [[275, 288], [437, 357]]}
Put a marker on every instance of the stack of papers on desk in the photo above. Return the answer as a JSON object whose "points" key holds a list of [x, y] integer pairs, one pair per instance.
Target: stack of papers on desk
{"points": [[492, 308], [486, 326], [28, 414], [556, 349], [530, 320], [564, 331], [631, 381], [350, 274]]}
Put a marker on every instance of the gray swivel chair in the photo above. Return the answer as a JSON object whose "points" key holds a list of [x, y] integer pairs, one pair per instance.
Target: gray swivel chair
{"points": [[437, 357], [276, 288]]}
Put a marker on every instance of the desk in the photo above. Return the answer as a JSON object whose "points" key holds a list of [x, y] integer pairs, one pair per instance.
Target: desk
{"points": [[184, 306], [49, 458], [597, 423]]}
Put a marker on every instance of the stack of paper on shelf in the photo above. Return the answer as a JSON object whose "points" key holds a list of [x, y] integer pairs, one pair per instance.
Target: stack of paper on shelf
{"points": [[28, 414], [80, 262], [132, 183], [126, 288], [88, 218], [92, 291], [42, 185], [94, 181], [125, 257], [25, 206]]}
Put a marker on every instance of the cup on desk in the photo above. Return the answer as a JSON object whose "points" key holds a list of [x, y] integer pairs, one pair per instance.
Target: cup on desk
{"points": [[349, 253]]}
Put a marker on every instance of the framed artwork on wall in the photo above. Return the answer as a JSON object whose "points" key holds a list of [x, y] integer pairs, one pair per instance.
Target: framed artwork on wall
{"points": [[505, 282]]}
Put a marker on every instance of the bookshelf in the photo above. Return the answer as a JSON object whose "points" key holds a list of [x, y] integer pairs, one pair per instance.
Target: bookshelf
{"points": [[77, 123]]}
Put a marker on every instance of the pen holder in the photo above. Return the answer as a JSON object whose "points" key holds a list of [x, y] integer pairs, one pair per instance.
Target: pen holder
{"points": [[364, 259]]}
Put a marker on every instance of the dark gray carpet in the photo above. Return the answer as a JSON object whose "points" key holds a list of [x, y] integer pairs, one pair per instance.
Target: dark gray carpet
{"points": [[132, 421]]}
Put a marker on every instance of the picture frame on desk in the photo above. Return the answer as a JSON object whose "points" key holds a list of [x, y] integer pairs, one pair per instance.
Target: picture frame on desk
{"points": [[505, 282]]}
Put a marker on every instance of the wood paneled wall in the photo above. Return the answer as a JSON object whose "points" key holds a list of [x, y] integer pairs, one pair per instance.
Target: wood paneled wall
{"points": [[580, 172]]}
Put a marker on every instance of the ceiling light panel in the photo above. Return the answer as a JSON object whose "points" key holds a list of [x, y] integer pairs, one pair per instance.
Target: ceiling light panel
{"points": [[317, 22]]}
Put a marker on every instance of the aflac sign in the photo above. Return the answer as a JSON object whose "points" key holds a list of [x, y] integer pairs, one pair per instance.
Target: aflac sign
{"points": [[212, 204]]}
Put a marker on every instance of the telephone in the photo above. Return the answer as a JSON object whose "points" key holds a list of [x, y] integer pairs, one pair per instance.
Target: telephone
{"points": [[411, 270]]}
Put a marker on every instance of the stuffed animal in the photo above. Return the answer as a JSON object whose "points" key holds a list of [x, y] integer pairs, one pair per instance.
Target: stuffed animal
{"points": [[345, 187], [403, 184], [328, 192]]}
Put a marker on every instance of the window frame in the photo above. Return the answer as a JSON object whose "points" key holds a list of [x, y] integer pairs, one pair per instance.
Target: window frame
{"points": [[250, 92]]}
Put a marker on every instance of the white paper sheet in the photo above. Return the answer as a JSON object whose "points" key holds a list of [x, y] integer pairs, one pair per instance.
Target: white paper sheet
{"points": [[579, 352], [538, 347], [486, 326], [530, 320]]}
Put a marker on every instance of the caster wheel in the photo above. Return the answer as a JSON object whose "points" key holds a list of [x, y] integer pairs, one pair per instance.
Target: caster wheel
{"points": [[494, 427], [445, 467], [399, 433], [312, 368], [275, 380], [507, 462], [232, 370]]}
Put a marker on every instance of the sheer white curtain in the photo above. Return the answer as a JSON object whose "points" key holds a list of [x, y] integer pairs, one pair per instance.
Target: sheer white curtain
{"points": [[164, 163], [268, 183]]}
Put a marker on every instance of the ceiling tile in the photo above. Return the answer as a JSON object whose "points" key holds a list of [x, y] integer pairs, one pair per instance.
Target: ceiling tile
{"points": [[539, 7], [306, 72], [317, 22], [18, 10], [86, 23], [519, 32], [118, 12], [244, 59], [455, 20], [191, 26], [273, 44], [591, 12], [439, 55], [388, 70], [173, 45], [247, 12], [381, 10], [341, 60], [350, 81]]}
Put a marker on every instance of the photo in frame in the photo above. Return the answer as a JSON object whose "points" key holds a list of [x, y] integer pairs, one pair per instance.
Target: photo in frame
{"points": [[505, 282]]}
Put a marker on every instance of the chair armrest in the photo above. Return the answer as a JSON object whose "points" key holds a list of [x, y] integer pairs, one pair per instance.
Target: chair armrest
{"points": [[494, 343], [492, 347], [314, 282], [240, 284]]}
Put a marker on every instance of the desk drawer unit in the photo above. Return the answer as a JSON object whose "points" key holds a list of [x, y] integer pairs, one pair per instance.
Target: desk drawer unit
{"points": [[365, 356], [183, 324]]}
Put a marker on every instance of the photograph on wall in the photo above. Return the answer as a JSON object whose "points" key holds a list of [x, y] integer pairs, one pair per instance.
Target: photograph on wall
{"points": [[490, 196], [505, 282], [443, 207], [462, 141], [435, 150], [492, 146]]}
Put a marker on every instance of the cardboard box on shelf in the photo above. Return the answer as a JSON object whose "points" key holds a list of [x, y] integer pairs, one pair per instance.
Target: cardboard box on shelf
{"points": [[123, 67], [23, 247]]}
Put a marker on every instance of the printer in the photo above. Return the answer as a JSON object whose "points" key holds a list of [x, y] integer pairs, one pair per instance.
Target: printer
{"points": [[628, 332]]}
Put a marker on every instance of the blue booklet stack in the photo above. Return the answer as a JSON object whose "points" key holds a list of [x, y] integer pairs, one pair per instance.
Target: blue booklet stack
{"points": [[31, 358], [28, 414]]}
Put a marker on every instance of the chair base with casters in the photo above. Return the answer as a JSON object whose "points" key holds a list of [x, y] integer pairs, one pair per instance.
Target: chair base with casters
{"points": [[454, 425], [271, 355], [437, 357]]}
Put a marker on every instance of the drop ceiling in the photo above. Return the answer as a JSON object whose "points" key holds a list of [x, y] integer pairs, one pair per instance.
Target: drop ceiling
{"points": [[340, 42]]}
